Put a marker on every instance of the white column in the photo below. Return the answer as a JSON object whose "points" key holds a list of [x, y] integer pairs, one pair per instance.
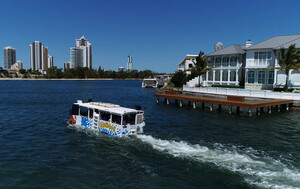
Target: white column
{"points": [[229, 61], [221, 73], [290, 78], [221, 62], [275, 77], [214, 76], [207, 76], [228, 77], [236, 77]]}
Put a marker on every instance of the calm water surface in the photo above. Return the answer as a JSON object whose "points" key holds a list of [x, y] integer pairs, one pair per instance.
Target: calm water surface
{"points": [[181, 147]]}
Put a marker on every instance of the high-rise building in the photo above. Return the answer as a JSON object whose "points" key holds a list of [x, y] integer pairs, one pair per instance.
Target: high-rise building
{"points": [[9, 57], [129, 63], [46, 58], [67, 66], [37, 56], [81, 54], [76, 57], [50, 61]]}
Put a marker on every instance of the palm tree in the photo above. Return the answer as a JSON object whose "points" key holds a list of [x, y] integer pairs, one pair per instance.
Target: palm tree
{"points": [[288, 60], [200, 65]]}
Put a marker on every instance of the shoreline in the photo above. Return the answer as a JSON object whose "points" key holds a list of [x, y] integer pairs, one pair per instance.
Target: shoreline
{"points": [[64, 79]]}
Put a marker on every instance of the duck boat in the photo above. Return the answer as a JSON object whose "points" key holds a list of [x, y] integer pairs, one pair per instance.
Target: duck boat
{"points": [[107, 118]]}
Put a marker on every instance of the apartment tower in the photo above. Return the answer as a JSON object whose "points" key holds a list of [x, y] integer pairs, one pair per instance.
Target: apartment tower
{"points": [[9, 57]]}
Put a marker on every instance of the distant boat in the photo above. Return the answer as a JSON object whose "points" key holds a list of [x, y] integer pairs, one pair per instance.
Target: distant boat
{"points": [[150, 83], [107, 118]]}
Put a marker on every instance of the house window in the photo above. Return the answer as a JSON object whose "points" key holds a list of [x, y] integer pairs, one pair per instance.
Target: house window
{"points": [[233, 59], [233, 76], [262, 58], [209, 60], [271, 77], [225, 61], [261, 77], [251, 75], [256, 55], [217, 75], [210, 76], [190, 65], [225, 76], [218, 60]]}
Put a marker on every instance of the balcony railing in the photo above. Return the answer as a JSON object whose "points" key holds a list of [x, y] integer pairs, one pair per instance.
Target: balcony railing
{"points": [[243, 92]]}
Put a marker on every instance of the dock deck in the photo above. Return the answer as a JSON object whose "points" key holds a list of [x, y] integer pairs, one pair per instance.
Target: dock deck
{"points": [[230, 101]]}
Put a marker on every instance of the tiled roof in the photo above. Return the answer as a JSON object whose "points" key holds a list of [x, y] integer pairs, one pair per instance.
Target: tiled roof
{"points": [[232, 49], [277, 42]]}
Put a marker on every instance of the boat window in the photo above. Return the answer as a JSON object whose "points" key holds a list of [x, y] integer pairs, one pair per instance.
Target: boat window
{"points": [[105, 116], [90, 113], [139, 118], [96, 111], [116, 119], [129, 119], [83, 111], [75, 109]]}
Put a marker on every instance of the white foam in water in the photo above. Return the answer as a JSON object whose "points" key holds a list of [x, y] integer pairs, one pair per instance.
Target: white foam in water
{"points": [[260, 171]]}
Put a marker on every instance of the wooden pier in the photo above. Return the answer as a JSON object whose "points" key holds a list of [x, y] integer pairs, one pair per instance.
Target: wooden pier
{"points": [[230, 101]]}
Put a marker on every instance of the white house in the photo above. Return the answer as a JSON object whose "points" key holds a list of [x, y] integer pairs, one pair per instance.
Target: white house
{"points": [[264, 55], [187, 64], [228, 65]]}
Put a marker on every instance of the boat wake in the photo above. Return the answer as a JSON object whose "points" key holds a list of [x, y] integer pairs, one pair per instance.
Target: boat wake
{"points": [[259, 170]]}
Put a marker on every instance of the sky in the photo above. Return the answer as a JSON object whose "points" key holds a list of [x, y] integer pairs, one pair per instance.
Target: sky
{"points": [[157, 33]]}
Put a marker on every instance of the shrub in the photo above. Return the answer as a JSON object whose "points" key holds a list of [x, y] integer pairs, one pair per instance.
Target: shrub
{"points": [[179, 79]]}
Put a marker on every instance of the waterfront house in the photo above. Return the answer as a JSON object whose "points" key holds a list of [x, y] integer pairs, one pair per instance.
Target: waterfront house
{"points": [[228, 64], [264, 55], [187, 64]]}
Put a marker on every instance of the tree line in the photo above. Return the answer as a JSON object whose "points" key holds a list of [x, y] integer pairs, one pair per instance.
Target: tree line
{"points": [[81, 73]]}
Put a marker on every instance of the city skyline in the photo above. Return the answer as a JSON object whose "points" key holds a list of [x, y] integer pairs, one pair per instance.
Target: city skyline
{"points": [[158, 34]]}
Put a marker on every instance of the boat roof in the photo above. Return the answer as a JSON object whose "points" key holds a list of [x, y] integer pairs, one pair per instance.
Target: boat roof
{"points": [[107, 107]]}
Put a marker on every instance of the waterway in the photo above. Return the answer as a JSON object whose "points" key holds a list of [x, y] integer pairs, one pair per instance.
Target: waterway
{"points": [[181, 147]]}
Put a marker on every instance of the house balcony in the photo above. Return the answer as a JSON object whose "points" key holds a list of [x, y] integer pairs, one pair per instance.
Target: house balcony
{"points": [[180, 70]]}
